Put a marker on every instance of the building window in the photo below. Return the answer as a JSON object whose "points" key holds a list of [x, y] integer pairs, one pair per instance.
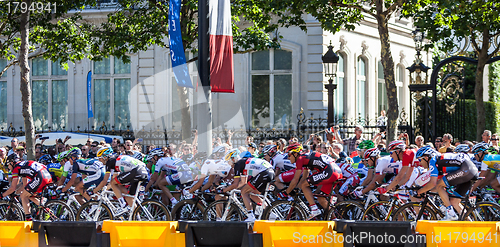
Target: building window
{"points": [[361, 88], [383, 104], [40, 104], [339, 92], [112, 85], [400, 74], [3, 64], [271, 88], [57, 68], [40, 66]]}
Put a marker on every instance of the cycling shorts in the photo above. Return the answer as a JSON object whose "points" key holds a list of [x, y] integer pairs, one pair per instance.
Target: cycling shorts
{"points": [[41, 179], [259, 182], [286, 177], [133, 177], [94, 179], [179, 178], [326, 178], [462, 178]]}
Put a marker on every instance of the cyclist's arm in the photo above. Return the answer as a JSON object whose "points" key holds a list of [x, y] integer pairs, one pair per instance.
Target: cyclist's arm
{"points": [[234, 185], [369, 177], [401, 178], [479, 183], [161, 176], [243, 181], [210, 181], [12, 187], [103, 183], [429, 186], [71, 181], [295, 180], [152, 180], [378, 178]]}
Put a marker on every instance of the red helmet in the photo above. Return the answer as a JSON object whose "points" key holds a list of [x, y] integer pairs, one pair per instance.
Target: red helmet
{"points": [[372, 152], [296, 147], [398, 144]]}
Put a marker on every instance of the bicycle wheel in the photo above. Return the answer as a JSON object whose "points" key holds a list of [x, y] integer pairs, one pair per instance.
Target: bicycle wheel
{"points": [[348, 210], [188, 210], [11, 213], [151, 210], [57, 211], [379, 211], [483, 211], [284, 210], [216, 210], [410, 211], [88, 210]]}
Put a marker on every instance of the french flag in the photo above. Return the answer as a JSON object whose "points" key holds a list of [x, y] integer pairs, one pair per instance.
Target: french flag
{"points": [[221, 47]]}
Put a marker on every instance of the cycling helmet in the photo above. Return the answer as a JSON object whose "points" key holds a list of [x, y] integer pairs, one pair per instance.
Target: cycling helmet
{"points": [[366, 144], [492, 150], [270, 150], [343, 154], [246, 154], [188, 158], [425, 150], [397, 144], [462, 148], [137, 155], [296, 148], [104, 152], [155, 152], [45, 159], [74, 152], [480, 147], [13, 158], [231, 154], [200, 156], [61, 155], [372, 152]]}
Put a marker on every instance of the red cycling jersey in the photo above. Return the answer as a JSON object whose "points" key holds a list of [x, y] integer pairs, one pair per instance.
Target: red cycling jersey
{"points": [[409, 158]]}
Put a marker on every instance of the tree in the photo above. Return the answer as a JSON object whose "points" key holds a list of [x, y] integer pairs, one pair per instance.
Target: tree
{"points": [[452, 24], [336, 14], [135, 26]]}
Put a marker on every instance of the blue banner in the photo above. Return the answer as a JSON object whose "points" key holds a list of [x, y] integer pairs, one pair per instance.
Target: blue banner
{"points": [[89, 95], [181, 70]]}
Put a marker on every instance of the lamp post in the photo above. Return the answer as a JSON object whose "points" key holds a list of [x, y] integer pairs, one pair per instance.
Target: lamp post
{"points": [[330, 60], [419, 87]]}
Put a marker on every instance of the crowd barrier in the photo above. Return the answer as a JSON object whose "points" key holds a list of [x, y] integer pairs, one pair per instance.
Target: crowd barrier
{"points": [[261, 233]]}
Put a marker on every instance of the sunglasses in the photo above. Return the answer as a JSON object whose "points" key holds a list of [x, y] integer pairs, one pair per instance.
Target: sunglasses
{"points": [[494, 139], [93, 146]]}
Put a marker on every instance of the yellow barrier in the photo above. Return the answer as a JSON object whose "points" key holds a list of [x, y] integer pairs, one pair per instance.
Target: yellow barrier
{"points": [[143, 233], [298, 233], [459, 233], [17, 233]]}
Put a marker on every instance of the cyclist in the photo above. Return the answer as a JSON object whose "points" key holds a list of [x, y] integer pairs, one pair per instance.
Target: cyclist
{"points": [[38, 176], [251, 175], [407, 173], [489, 165], [348, 172], [92, 168], [325, 173], [456, 169], [284, 169], [124, 170], [381, 166], [211, 169]]}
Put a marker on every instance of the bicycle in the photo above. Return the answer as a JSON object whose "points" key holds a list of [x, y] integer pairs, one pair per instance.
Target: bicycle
{"points": [[191, 209]]}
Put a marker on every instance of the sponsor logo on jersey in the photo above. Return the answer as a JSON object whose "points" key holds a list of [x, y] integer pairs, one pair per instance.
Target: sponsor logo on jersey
{"points": [[319, 163], [457, 175], [35, 183], [320, 176], [25, 171]]}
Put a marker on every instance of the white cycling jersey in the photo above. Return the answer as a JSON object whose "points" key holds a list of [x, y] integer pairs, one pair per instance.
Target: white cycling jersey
{"points": [[171, 164], [215, 167], [282, 162], [347, 170], [387, 165], [125, 163]]}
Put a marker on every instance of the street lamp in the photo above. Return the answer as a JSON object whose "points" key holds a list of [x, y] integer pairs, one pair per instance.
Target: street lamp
{"points": [[330, 60], [418, 70]]}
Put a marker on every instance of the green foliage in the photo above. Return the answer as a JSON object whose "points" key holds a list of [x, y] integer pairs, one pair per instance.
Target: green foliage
{"points": [[494, 83]]}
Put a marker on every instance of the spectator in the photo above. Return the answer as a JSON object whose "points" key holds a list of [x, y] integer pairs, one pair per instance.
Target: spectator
{"points": [[121, 148], [419, 141], [293, 140], [447, 147], [382, 121], [438, 143], [38, 152], [486, 136], [494, 140], [281, 143], [93, 149], [114, 143], [150, 147], [337, 148], [85, 151], [20, 152], [14, 143], [3, 156], [351, 142], [430, 144], [252, 148]]}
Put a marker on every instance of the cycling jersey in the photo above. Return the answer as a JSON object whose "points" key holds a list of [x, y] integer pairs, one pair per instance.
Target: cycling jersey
{"points": [[171, 164], [347, 170], [28, 169], [215, 167], [282, 162], [446, 163], [125, 163], [316, 162], [386, 165], [491, 161], [409, 158], [87, 166], [55, 170], [250, 167]]}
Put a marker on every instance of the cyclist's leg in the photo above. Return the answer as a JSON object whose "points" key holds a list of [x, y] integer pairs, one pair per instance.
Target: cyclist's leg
{"points": [[464, 174], [495, 184], [326, 187]]}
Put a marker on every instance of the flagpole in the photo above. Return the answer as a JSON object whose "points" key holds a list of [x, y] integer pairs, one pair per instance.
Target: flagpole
{"points": [[204, 96], [90, 111]]}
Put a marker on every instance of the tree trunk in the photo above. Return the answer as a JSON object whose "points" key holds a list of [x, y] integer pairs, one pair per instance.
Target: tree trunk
{"points": [[478, 94], [26, 84], [390, 83], [186, 114]]}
